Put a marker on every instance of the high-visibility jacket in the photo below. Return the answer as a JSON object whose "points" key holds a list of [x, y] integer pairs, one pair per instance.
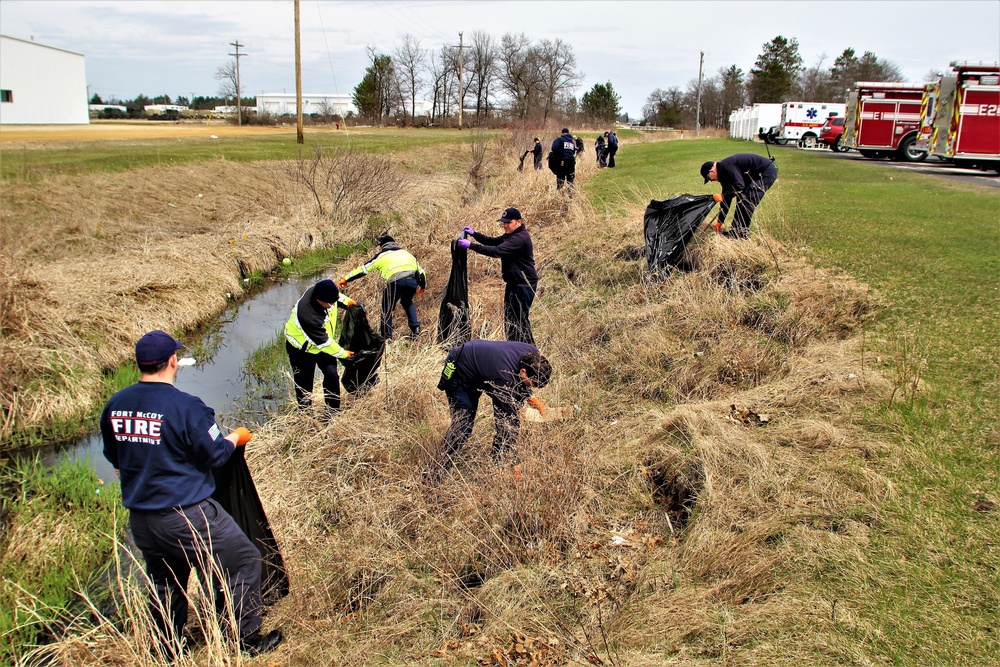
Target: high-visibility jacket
{"points": [[393, 263], [308, 332]]}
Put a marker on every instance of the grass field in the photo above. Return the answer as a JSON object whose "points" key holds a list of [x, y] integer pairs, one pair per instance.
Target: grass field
{"points": [[932, 248], [860, 526]]}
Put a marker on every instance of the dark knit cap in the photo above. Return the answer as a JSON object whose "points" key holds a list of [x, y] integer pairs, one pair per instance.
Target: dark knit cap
{"points": [[326, 291]]}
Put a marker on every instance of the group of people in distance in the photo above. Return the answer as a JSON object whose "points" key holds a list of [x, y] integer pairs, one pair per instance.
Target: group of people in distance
{"points": [[565, 149], [164, 443]]}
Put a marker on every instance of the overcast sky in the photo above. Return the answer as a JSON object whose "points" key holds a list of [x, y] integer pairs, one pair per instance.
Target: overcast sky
{"points": [[174, 47]]}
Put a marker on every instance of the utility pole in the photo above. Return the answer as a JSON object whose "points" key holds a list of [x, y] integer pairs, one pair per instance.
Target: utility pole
{"points": [[461, 92], [239, 108], [299, 138], [697, 113]]}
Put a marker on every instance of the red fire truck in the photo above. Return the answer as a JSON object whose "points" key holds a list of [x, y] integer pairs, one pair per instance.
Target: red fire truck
{"points": [[960, 117], [883, 118]]}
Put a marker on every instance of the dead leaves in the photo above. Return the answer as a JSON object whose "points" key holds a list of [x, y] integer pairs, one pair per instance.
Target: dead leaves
{"points": [[517, 650], [747, 417]]}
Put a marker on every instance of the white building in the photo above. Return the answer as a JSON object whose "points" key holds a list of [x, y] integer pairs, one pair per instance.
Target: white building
{"points": [[284, 103], [41, 85]]}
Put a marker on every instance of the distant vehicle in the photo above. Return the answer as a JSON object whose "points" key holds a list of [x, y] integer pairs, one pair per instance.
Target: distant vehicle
{"points": [[882, 120], [960, 116], [831, 132], [800, 121]]}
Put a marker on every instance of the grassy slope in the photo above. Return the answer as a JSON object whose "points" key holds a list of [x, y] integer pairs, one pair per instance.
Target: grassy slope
{"points": [[43, 158], [932, 247]]}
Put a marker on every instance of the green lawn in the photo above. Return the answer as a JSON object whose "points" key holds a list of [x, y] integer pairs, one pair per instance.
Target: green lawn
{"points": [[931, 247], [113, 155]]}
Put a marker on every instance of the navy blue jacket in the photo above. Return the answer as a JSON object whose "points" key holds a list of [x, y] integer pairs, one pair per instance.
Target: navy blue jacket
{"points": [[738, 172], [564, 146], [516, 253], [165, 443], [488, 365]]}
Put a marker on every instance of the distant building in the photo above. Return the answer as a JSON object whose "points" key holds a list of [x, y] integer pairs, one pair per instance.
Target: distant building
{"points": [[280, 104], [98, 108], [157, 109], [41, 85]]}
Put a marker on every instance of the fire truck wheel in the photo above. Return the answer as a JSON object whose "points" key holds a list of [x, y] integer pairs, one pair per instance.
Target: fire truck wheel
{"points": [[908, 153]]}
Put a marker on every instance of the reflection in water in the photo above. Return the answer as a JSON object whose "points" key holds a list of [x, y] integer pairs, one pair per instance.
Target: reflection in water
{"points": [[220, 380]]}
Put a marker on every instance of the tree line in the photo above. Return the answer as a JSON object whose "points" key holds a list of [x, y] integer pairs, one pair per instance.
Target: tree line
{"points": [[507, 78], [778, 75]]}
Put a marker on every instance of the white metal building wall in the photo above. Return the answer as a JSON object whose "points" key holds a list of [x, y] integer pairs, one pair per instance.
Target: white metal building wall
{"points": [[47, 85], [284, 103]]}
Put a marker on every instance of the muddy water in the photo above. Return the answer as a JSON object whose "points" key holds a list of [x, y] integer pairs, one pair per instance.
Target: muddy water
{"points": [[219, 380]]}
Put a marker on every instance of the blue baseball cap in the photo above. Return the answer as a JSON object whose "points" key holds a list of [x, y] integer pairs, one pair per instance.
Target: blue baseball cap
{"points": [[156, 347]]}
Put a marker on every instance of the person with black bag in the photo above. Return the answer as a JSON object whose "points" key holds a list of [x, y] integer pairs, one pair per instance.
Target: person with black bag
{"points": [[164, 444]]}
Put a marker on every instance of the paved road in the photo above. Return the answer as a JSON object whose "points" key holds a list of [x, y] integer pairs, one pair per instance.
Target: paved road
{"points": [[930, 166]]}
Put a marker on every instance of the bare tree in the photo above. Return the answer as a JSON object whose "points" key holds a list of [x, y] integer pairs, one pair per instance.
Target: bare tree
{"points": [[557, 73], [482, 70], [443, 74], [410, 61], [226, 76], [518, 75]]}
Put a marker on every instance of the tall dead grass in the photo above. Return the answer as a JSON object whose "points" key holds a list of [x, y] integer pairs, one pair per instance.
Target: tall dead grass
{"points": [[717, 463]]}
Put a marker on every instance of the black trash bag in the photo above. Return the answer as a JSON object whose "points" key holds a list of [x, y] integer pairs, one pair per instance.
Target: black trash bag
{"points": [[520, 166], [454, 327], [669, 226], [554, 163], [356, 335], [235, 491]]}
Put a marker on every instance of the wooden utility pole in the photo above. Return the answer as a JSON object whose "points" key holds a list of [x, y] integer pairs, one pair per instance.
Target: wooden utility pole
{"points": [[238, 55], [697, 113], [461, 91], [299, 138]]}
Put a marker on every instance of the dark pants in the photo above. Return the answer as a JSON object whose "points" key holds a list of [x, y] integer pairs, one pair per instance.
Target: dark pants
{"points": [[517, 300], [611, 155], [538, 160], [463, 403], [206, 538], [567, 173], [399, 291], [303, 371], [745, 202]]}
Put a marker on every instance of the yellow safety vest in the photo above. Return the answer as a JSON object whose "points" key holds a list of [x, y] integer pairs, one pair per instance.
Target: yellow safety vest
{"points": [[295, 335]]}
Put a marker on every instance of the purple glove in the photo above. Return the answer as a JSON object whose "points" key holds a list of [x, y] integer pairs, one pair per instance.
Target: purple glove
{"points": [[463, 243], [469, 230]]}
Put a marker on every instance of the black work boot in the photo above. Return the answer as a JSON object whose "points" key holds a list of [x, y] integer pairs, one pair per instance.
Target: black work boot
{"points": [[256, 643], [414, 332]]}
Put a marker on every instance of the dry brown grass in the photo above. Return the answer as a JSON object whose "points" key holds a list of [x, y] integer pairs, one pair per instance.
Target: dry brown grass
{"points": [[661, 525]]}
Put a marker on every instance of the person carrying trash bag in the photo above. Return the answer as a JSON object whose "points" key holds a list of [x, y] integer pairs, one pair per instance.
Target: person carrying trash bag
{"points": [[404, 279], [612, 148], [164, 444], [536, 152], [563, 162], [744, 177], [311, 335], [600, 147], [506, 371], [517, 265]]}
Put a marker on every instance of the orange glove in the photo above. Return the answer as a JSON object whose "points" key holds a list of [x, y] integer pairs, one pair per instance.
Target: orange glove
{"points": [[349, 354], [717, 197], [350, 302], [341, 284], [537, 404], [717, 226], [420, 290], [243, 435]]}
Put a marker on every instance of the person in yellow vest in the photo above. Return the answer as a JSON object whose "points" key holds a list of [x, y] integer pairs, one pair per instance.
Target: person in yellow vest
{"points": [[311, 340], [404, 279]]}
